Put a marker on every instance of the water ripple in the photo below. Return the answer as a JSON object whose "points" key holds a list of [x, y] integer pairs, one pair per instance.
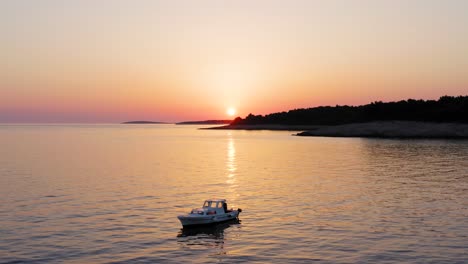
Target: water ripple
{"points": [[112, 197]]}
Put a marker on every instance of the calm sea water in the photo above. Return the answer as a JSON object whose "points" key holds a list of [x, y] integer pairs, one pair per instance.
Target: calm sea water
{"points": [[111, 193]]}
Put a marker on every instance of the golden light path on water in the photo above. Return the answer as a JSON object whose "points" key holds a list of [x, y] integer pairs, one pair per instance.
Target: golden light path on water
{"points": [[231, 166]]}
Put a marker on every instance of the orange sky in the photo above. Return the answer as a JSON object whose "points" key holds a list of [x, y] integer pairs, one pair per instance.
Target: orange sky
{"points": [[112, 61]]}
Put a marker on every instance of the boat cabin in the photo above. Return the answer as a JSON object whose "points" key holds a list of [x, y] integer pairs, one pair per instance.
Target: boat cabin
{"points": [[218, 204], [212, 207]]}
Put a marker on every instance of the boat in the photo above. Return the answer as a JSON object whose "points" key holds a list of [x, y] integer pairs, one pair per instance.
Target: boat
{"points": [[213, 211]]}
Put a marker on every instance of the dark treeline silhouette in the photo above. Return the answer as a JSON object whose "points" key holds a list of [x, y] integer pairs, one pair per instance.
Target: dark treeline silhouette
{"points": [[446, 109]]}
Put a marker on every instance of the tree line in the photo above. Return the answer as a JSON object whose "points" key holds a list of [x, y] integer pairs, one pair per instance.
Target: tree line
{"points": [[446, 109]]}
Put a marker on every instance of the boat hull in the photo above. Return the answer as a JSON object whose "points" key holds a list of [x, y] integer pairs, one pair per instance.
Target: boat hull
{"points": [[198, 220]]}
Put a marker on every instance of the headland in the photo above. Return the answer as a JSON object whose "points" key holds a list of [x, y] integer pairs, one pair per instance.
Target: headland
{"points": [[446, 117]]}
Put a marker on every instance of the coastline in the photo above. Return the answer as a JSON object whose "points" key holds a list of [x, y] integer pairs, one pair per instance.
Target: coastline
{"points": [[393, 129], [142, 122], [377, 129], [265, 127], [205, 122]]}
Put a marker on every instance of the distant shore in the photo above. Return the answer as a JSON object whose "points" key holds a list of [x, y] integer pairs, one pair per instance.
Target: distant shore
{"points": [[264, 127], [142, 122], [379, 129], [205, 122]]}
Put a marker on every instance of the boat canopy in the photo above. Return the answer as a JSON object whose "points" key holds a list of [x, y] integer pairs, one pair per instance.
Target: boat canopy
{"points": [[214, 203], [216, 200]]}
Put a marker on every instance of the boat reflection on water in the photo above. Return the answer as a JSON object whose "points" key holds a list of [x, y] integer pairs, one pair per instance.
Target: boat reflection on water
{"points": [[215, 231], [211, 238]]}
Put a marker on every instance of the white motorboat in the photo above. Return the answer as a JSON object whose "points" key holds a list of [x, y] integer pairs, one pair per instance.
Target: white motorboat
{"points": [[213, 211]]}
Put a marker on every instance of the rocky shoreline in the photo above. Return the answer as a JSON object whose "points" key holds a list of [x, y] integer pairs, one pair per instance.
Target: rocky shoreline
{"points": [[392, 129], [379, 129]]}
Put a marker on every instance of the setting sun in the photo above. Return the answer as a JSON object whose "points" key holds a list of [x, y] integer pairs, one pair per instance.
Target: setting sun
{"points": [[231, 111]]}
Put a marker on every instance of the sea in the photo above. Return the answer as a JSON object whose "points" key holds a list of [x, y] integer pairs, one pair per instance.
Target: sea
{"points": [[110, 193]]}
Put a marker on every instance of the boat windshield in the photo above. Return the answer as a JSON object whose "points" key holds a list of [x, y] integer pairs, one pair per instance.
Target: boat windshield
{"points": [[213, 204]]}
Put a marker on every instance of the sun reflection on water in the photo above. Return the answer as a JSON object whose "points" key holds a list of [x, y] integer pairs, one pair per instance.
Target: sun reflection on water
{"points": [[231, 167]]}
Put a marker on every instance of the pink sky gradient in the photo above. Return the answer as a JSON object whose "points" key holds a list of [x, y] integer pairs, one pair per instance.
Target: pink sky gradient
{"points": [[113, 61]]}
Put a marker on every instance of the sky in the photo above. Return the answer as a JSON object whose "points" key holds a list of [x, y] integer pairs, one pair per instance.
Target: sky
{"points": [[111, 61]]}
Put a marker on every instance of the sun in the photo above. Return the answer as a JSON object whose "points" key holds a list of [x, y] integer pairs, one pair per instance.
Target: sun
{"points": [[231, 111]]}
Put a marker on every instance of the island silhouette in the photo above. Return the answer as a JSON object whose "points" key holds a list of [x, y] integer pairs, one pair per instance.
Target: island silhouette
{"points": [[206, 122], [143, 122], [446, 117], [203, 122]]}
